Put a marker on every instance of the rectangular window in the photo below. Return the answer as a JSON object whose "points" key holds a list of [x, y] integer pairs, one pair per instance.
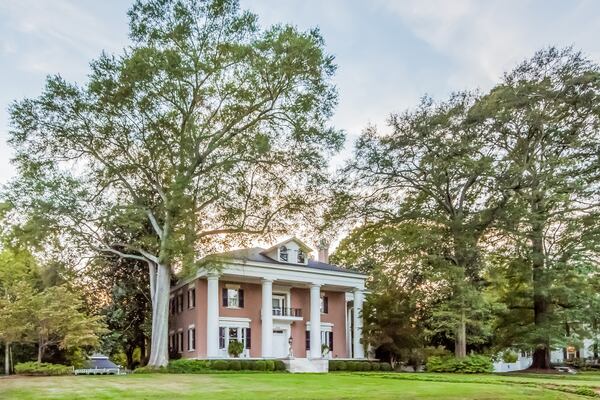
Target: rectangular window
{"points": [[324, 304], [172, 307], [221, 338], [191, 297], [191, 339], [229, 334], [233, 298], [180, 302], [180, 342], [171, 343], [327, 338]]}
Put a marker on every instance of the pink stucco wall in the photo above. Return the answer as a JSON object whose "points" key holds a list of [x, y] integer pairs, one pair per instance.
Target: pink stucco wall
{"points": [[252, 306], [300, 298]]}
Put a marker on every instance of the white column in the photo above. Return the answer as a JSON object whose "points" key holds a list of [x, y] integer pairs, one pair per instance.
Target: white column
{"points": [[315, 321], [212, 316], [267, 318], [358, 324]]}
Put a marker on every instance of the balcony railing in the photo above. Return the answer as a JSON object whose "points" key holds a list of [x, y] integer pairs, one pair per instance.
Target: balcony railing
{"points": [[287, 312]]}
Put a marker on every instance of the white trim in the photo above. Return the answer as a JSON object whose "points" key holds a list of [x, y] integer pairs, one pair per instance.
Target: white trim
{"points": [[192, 285], [234, 322], [191, 326], [325, 326]]}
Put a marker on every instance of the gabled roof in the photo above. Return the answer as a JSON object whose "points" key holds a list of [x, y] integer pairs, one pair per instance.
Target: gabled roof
{"points": [[257, 254], [303, 245]]}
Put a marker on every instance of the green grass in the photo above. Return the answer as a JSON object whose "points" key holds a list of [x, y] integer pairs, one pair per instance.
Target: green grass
{"points": [[297, 386]]}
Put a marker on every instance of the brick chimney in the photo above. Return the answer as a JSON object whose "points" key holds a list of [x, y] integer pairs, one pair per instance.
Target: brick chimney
{"points": [[323, 247]]}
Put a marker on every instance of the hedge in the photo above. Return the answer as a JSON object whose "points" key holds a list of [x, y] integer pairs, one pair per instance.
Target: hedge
{"points": [[347, 365], [188, 366], [42, 369], [475, 364]]}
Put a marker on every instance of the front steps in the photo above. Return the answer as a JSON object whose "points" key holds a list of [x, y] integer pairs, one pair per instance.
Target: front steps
{"points": [[303, 365]]}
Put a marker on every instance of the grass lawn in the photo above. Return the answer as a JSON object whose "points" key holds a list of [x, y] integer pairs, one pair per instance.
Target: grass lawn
{"points": [[309, 386]]}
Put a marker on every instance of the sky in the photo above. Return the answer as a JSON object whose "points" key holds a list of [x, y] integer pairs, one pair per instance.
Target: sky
{"points": [[389, 52]]}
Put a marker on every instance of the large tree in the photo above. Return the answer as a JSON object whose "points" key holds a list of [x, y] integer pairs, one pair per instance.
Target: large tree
{"points": [[547, 116], [437, 168], [205, 126]]}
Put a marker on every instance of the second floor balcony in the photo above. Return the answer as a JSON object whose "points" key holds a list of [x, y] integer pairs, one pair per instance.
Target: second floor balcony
{"points": [[287, 313]]}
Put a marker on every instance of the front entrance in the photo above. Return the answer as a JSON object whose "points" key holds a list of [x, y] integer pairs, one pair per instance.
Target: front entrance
{"points": [[280, 345]]}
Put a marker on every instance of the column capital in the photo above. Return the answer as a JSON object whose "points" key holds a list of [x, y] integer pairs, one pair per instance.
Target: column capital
{"points": [[315, 285], [358, 290], [213, 275], [266, 280]]}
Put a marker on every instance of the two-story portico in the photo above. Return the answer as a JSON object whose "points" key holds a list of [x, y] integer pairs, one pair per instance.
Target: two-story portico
{"points": [[276, 301]]}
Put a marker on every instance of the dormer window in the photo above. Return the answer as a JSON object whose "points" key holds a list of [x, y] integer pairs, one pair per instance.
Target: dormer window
{"points": [[283, 253], [301, 256]]}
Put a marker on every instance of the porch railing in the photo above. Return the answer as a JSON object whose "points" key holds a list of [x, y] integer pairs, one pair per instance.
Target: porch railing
{"points": [[287, 312]]}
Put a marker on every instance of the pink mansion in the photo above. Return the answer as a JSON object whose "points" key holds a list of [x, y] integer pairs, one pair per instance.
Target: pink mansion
{"points": [[277, 302]]}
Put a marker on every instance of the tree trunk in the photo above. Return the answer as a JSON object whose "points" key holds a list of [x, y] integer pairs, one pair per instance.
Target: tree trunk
{"points": [[541, 354], [460, 342], [40, 353], [7, 358], [143, 359], [159, 347], [129, 357], [541, 358]]}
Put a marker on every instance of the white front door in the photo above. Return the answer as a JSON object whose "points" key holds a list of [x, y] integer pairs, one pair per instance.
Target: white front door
{"points": [[280, 345]]}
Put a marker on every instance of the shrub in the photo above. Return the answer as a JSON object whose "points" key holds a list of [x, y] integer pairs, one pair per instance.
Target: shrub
{"points": [[150, 370], [510, 356], [385, 366], [375, 366], [260, 365], [219, 365], [270, 365], [43, 369], [235, 365], [246, 365], [184, 366], [467, 365], [279, 365], [235, 348]]}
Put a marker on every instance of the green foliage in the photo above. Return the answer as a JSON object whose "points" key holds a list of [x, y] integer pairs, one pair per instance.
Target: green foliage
{"points": [[270, 365], [42, 369], [150, 370], [260, 365], [235, 348], [474, 364], [509, 356], [235, 365], [279, 365], [219, 365], [347, 365], [186, 366]]}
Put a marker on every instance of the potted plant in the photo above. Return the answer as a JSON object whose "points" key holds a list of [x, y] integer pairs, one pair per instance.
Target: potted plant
{"points": [[235, 348]]}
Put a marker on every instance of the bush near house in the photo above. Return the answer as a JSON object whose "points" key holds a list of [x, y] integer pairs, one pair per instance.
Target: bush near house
{"points": [[475, 364], [346, 365], [42, 369], [184, 366]]}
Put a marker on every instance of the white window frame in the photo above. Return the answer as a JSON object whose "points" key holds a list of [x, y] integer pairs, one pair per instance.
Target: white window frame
{"points": [[191, 328]]}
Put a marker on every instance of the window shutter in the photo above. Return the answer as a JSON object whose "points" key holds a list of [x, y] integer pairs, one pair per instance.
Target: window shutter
{"points": [[193, 338], [248, 338], [225, 297], [331, 341], [325, 304], [307, 340], [241, 298], [221, 338]]}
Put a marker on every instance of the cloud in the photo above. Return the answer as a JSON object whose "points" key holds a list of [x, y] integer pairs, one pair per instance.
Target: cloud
{"points": [[487, 38]]}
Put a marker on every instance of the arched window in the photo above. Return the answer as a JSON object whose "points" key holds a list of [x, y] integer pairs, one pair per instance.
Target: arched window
{"points": [[301, 257], [283, 253]]}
